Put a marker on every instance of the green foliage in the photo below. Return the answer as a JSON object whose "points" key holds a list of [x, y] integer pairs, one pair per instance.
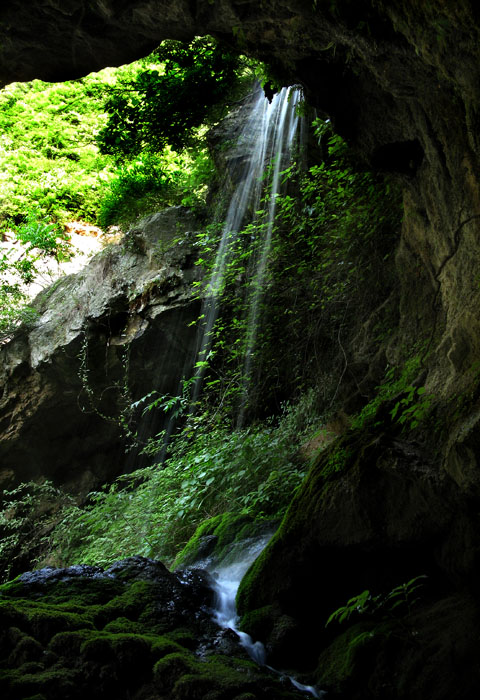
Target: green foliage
{"points": [[40, 239], [48, 157], [345, 221], [330, 264], [344, 659], [51, 171], [165, 105], [336, 462], [155, 510], [155, 181], [114, 637], [38, 233], [227, 529], [399, 600], [412, 406], [29, 512], [135, 188]]}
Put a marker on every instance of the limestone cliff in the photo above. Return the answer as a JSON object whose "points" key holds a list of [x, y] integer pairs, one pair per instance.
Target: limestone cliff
{"points": [[64, 379]]}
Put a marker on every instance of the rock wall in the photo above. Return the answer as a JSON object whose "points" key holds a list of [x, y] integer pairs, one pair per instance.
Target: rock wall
{"points": [[103, 338]]}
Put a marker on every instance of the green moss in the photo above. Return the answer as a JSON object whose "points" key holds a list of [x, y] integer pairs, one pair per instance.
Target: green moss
{"points": [[185, 676], [55, 683], [130, 603], [115, 649], [11, 616], [226, 528], [162, 646], [74, 595], [336, 461], [69, 643], [122, 651], [184, 637], [27, 649], [13, 588], [171, 667], [45, 621], [267, 586], [122, 624], [258, 623], [343, 660]]}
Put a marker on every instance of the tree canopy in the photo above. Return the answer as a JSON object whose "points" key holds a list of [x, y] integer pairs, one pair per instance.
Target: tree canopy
{"points": [[164, 105]]}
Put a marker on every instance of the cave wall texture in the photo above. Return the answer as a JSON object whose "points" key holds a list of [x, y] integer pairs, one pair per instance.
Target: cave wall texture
{"points": [[400, 80]]}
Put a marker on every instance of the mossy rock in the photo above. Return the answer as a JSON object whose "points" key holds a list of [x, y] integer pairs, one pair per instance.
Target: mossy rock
{"points": [[45, 621], [259, 623], [341, 664], [27, 649], [55, 684], [68, 644], [381, 519], [171, 667], [186, 677], [143, 638], [215, 539], [123, 624]]}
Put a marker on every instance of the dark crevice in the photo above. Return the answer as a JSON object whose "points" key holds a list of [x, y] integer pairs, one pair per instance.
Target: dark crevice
{"points": [[404, 157]]}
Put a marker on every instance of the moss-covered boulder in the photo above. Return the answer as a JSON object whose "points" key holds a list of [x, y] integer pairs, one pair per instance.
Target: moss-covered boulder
{"points": [[373, 514], [219, 539], [132, 632]]}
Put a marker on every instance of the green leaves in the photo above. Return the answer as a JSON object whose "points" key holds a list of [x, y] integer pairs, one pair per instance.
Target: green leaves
{"points": [[46, 237], [155, 510], [400, 600], [358, 604], [412, 406], [165, 106], [48, 158]]}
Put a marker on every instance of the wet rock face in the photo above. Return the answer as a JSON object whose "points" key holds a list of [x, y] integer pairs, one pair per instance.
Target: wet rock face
{"points": [[132, 631], [103, 338]]}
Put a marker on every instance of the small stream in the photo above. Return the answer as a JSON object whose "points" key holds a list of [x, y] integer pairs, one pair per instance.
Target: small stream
{"points": [[227, 580]]}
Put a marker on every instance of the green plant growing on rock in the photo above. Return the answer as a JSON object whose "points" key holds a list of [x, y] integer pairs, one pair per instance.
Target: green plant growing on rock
{"points": [[40, 239], [154, 511], [399, 600], [166, 105], [28, 514], [412, 405]]}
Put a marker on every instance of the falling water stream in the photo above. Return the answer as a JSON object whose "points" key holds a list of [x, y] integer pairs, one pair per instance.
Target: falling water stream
{"points": [[227, 580], [265, 140]]}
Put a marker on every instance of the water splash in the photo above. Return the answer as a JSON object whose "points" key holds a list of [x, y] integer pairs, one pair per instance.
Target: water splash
{"points": [[227, 581]]}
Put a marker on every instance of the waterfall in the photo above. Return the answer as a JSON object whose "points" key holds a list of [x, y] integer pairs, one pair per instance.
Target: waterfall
{"points": [[286, 125], [265, 140], [227, 581], [262, 151], [227, 578]]}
